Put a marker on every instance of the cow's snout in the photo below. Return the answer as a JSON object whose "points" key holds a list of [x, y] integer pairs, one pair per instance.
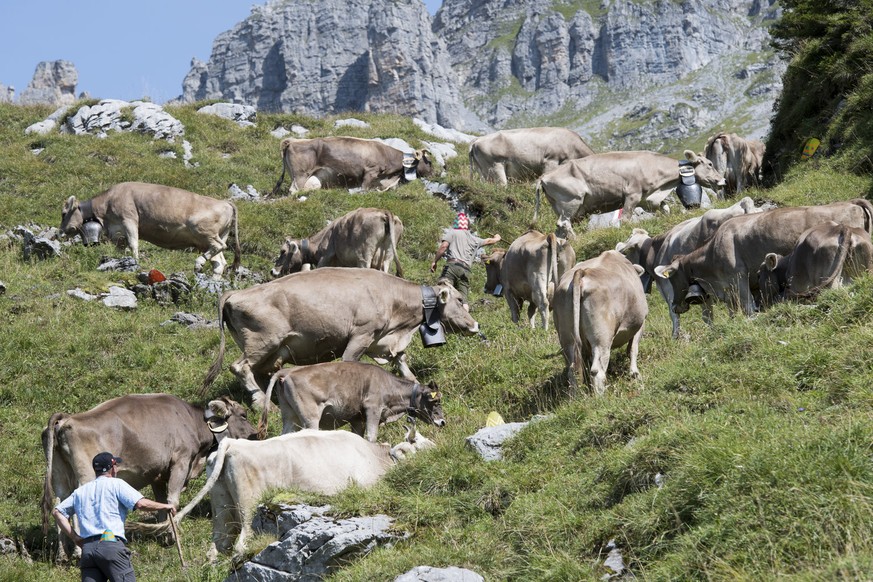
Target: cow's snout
{"points": [[275, 273], [440, 422]]}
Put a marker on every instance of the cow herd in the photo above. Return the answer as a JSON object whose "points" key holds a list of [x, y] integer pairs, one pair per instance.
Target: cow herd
{"points": [[332, 297]]}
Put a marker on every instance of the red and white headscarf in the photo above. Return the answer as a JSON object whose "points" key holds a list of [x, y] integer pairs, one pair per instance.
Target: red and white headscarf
{"points": [[461, 222]]}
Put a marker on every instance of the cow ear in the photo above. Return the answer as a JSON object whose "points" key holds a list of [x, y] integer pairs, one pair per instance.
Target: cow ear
{"points": [[621, 246], [426, 155], [417, 154], [665, 271], [70, 204], [771, 260], [444, 295], [218, 408], [639, 269], [690, 156]]}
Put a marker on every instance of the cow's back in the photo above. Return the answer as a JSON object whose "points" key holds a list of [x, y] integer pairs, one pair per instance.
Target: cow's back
{"points": [[742, 242], [310, 460], [315, 314], [528, 151], [166, 216]]}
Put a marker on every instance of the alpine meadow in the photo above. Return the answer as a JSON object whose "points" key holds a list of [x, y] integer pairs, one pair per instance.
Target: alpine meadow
{"points": [[744, 451]]}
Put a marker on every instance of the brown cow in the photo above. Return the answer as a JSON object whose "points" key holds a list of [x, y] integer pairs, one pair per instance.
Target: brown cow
{"points": [[168, 217], [331, 394], [366, 237], [607, 182], [738, 159], [348, 162], [529, 271], [726, 266], [524, 154], [599, 304], [163, 440], [827, 255], [650, 252], [318, 316]]}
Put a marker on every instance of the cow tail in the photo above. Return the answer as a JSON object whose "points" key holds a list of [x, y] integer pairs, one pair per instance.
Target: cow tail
{"points": [[392, 234], [286, 165], [48, 494], [578, 281], [537, 198], [552, 255], [262, 423], [867, 207], [237, 251], [215, 369], [221, 453]]}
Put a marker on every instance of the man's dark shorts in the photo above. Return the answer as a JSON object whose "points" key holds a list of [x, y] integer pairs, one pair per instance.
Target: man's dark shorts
{"points": [[459, 276], [102, 561]]}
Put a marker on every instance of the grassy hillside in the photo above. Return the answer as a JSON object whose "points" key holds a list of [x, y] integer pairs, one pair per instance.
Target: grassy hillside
{"points": [[761, 427]]}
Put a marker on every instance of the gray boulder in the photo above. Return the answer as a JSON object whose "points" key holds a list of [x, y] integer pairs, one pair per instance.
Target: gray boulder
{"points": [[488, 441], [124, 264], [120, 298], [39, 246], [315, 546], [243, 115], [431, 574], [108, 115]]}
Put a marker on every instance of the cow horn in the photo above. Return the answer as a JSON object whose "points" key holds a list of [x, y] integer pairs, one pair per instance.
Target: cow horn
{"points": [[418, 154]]}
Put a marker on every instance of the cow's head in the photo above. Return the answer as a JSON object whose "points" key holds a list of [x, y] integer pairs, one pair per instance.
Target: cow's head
{"points": [[71, 217], [680, 282], [228, 417], [716, 152], [493, 265], [705, 171], [452, 312], [290, 259], [413, 443], [428, 405], [423, 163], [772, 278]]}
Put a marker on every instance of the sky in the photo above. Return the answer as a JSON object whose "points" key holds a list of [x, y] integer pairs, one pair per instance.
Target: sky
{"points": [[122, 49]]}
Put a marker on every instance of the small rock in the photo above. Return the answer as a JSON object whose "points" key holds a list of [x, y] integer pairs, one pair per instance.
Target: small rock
{"points": [[120, 298], [489, 440], [190, 320], [83, 295], [124, 264], [351, 122], [431, 574], [279, 132]]}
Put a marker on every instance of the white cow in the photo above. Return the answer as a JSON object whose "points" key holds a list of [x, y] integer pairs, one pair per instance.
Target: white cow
{"points": [[326, 462]]}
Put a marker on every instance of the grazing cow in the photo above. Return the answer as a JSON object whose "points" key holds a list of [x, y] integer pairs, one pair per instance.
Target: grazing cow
{"points": [[607, 182], [599, 304], [331, 394], [348, 162], [162, 215], [529, 271], [366, 237], [827, 255], [310, 460], [650, 252], [524, 154], [163, 440], [738, 159], [726, 266], [318, 316]]}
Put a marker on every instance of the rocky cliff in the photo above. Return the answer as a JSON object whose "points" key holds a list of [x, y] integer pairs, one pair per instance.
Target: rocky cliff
{"points": [[316, 57], [627, 74]]}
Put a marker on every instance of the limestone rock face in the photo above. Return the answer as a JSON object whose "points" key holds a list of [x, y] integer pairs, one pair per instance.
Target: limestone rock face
{"points": [[318, 58], [53, 83]]}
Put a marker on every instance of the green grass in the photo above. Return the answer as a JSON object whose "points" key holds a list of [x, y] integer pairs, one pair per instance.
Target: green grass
{"points": [[761, 427]]}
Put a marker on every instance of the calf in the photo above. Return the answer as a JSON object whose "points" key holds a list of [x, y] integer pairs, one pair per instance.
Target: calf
{"points": [[599, 304], [162, 215], [332, 394], [726, 266], [366, 237], [650, 252], [323, 462], [827, 255], [529, 271]]}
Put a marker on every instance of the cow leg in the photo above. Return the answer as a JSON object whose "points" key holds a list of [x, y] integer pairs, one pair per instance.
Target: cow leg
{"points": [[599, 365], [243, 371], [219, 263], [497, 173], [514, 306], [633, 350], [131, 233], [539, 303], [159, 489], [402, 366]]}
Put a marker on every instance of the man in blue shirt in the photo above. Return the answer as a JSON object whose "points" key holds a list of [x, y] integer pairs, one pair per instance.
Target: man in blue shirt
{"points": [[102, 506]]}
